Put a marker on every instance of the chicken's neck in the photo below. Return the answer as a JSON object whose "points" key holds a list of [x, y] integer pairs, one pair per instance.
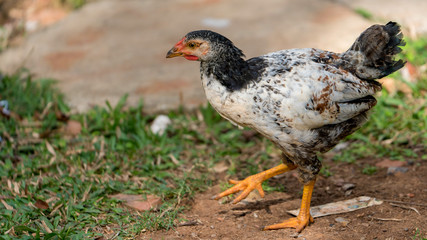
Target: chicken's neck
{"points": [[232, 73]]}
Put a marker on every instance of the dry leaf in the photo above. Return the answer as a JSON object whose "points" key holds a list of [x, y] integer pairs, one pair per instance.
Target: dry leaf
{"points": [[138, 202], [46, 228], [174, 160], [55, 209], [73, 128], [16, 187], [101, 153], [60, 116], [7, 206], [220, 167], [50, 148], [41, 204], [86, 193], [45, 110]]}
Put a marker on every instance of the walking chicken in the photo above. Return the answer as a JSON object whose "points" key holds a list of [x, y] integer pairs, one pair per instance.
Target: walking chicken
{"points": [[303, 100]]}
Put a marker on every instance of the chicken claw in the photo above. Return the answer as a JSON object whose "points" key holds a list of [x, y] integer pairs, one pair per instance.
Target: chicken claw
{"points": [[248, 185], [253, 182]]}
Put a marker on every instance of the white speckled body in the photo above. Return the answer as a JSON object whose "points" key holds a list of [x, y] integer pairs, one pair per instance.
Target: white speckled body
{"points": [[290, 97], [294, 98]]}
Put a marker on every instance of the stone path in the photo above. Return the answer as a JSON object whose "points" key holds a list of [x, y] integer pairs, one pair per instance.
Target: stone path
{"points": [[110, 48]]}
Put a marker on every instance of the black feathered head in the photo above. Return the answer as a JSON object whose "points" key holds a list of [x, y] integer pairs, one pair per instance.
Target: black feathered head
{"points": [[205, 45]]}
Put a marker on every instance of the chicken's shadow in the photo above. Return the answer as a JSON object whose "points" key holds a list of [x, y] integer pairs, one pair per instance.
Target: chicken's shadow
{"points": [[248, 208]]}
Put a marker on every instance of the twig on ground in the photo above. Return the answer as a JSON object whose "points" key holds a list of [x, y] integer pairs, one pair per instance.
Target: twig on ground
{"points": [[405, 207], [164, 212], [101, 153], [174, 160], [408, 203], [115, 235], [189, 223], [56, 209], [388, 219], [46, 110]]}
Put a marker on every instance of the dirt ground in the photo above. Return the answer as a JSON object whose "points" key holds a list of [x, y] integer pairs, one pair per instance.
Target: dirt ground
{"points": [[213, 220]]}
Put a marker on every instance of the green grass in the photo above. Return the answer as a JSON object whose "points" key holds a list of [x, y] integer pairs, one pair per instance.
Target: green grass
{"points": [[115, 152], [419, 235], [74, 4], [369, 170], [364, 13]]}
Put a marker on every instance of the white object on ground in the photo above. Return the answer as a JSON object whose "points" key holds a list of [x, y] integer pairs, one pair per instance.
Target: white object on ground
{"points": [[160, 124]]}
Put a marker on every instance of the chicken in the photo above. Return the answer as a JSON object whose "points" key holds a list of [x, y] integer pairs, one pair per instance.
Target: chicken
{"points": [[303, 100]]}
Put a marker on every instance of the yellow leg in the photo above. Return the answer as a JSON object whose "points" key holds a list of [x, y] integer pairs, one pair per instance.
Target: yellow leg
{"points": [[304, 217], [254, 182]]}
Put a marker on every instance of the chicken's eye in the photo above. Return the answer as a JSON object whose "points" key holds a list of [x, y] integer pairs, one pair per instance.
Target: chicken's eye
{"points": [[191, 45]]}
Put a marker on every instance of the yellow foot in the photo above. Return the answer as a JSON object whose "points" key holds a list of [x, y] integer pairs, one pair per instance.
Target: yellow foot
{"points": [[253, 182], [250, 183], [299, 223], [304, 217]]}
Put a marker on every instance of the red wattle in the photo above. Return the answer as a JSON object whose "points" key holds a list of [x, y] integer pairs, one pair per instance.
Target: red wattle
{"points": [[191, 57]]}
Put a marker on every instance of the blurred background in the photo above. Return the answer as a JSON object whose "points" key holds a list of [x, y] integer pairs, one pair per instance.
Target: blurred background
{"points": [[82, 158], [99, 50]]}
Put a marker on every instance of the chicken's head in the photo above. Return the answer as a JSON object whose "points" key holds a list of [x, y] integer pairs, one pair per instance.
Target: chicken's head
{"points": [[204, 45]]}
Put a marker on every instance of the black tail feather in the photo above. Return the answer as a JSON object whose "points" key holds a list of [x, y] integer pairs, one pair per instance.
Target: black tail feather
{"points": [[379, 44]]}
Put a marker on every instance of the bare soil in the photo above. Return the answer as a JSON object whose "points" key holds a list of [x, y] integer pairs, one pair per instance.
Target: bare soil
{"points": [[212, 219]]}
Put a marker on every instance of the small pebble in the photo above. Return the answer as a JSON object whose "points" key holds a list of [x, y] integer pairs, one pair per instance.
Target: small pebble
{"points": [[339, 182], [396, 170], [212, 226], [296, 235], [344, 222], [348, 186], [340, 146]]}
